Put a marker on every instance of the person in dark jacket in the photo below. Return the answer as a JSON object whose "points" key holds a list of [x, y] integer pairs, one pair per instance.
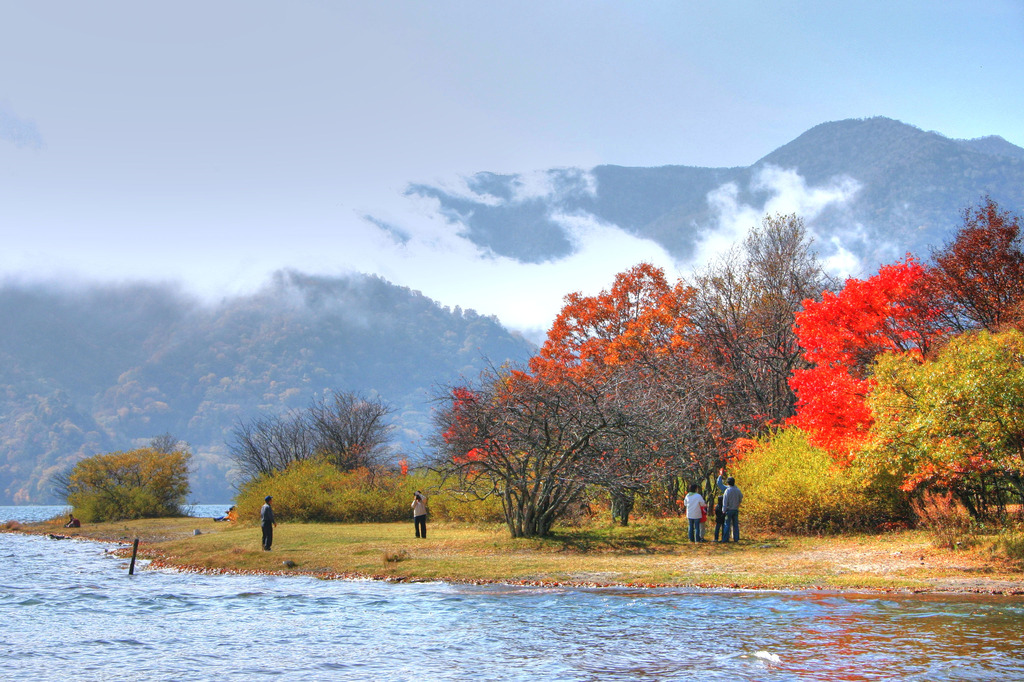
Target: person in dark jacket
{"points": [[267, 523], [731, 499], [719, 520]]}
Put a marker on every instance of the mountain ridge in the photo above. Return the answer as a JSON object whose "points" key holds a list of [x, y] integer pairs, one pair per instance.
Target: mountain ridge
{"points": [[912, 186]]}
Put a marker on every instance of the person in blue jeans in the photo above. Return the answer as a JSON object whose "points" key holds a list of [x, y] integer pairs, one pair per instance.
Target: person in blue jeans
{"points": [[731, 499], [695, 507]]}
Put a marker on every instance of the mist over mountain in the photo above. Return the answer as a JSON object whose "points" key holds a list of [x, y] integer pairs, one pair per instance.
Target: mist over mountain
{"points": [[96, 368], [869, 190], [103, 368]]}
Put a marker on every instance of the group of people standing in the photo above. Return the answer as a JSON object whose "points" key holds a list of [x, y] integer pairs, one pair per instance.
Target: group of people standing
{"points": [[727, 510]]}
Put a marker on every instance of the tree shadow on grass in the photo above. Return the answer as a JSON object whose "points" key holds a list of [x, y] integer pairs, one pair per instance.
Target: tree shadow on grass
{"points": [[652, 538]]}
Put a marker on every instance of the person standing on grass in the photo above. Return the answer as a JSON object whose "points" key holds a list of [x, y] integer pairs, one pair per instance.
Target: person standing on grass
{"points": [[419, 514], [731, 499], [719, 520], [695, 506], [267, 523]]}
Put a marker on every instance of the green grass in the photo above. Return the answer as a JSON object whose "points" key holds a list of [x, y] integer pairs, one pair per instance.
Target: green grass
{"points": [[648, 552]]}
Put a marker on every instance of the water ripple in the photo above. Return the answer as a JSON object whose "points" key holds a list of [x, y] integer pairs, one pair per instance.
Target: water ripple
{"points": [[68, 606]]}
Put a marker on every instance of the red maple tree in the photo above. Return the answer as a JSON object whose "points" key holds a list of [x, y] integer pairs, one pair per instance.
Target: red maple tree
{"points": [[892, 311]]}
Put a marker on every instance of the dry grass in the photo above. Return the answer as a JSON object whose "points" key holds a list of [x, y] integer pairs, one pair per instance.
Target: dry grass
{"points": [[646, 553]]}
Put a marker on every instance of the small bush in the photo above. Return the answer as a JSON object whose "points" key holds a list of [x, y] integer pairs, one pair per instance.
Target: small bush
{"points": [[1012, 545], [948, 522], [448, 506], [791, 486], [314, 490]]}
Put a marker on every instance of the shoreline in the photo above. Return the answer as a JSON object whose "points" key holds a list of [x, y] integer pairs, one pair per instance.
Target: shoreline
{"points": [[901, 563]]}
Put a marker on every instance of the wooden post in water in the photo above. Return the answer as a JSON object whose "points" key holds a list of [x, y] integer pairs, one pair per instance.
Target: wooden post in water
{"points": [[135, 550]]}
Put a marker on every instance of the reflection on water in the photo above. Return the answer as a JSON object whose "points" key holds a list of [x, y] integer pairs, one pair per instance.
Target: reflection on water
{"points": [[71, 611]]}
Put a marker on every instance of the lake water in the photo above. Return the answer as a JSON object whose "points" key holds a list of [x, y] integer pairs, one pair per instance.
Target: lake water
{"points": [[70, 611]]}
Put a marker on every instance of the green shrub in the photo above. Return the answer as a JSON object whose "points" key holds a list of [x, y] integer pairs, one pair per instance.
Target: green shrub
{"points": [[137, 484], [791, 486], [445, 505], [1012, 545]]}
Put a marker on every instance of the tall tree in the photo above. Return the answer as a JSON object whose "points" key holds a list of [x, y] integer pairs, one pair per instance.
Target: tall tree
{"points": [[520, 438], [980, 274], [744, 309], [619, 344], [955, 420], [641, 315], [266, 444], [352, 430]]}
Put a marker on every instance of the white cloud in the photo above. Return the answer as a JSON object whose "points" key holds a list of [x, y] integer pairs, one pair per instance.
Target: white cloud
{"points": [[789, 193], [524, 296], [552, 183]]}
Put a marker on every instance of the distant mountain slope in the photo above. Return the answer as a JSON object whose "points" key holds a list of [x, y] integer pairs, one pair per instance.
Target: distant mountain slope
{"points": [[912, 186], [110, 368]]}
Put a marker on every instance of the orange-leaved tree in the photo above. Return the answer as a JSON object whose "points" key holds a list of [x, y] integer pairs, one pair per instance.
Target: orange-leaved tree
{"points": [[623, 344], [641, 316]]}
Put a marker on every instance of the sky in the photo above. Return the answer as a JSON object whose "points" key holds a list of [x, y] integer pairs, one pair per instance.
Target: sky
{"points": [[210, 144]]}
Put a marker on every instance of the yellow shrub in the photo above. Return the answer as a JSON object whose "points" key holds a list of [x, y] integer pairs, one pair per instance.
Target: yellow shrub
{"points": [[136, 484], [316, 491], [789, 485]]}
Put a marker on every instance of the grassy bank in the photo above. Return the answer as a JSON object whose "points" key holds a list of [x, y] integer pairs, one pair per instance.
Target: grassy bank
{"points": [[646, 553]]}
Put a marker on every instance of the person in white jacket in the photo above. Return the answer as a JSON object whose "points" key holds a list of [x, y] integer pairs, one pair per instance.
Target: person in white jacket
{"points": [[419, 514], [695, 509]]}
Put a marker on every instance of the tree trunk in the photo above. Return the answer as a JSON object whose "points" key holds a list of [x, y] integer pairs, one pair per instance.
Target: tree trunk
{"points": [[622, 505]]}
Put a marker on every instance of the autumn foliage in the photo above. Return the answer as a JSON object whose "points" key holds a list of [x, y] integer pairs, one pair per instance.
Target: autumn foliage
{"points": [[136, 484], [901, 379], [651, 382], [981, 273], [892, 311], [646, 383], [641, 316]]}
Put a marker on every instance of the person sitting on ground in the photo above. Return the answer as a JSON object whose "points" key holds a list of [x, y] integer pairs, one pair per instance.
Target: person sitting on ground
{"points": [[227, 515], [72, 522]]}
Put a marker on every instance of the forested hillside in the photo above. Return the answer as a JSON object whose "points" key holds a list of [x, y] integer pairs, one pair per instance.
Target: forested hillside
{"points": [[103, 368]]}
